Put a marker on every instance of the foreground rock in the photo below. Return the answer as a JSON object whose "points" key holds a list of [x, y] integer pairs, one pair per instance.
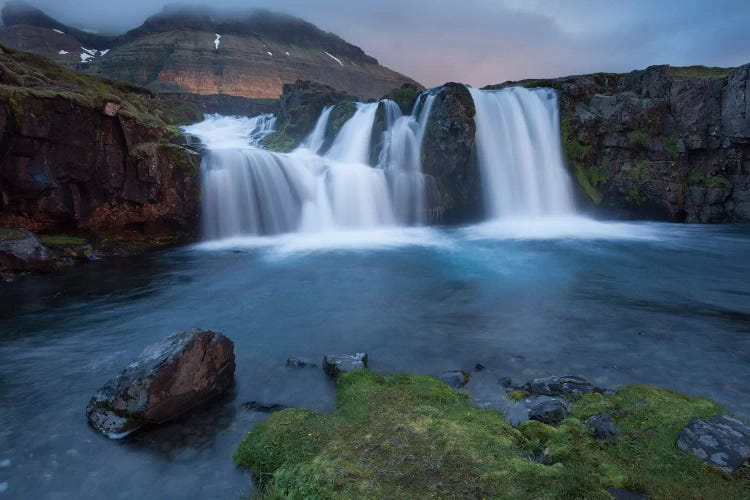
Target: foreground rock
{"points": [[455, 379], [336, 364], [603, 426], [168, 379], [566, 386], [21, 251], [719, 440], [551, 411]]}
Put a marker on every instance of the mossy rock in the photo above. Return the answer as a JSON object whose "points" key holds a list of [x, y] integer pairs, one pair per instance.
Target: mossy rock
{"points": [[412, 436]]}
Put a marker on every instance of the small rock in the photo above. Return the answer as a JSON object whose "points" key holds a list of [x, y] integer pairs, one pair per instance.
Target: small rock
{"points": [[505, 382], [479, 367], [295, 362], [603, 426], [625, 494], [719, 440], [336, 364], [264, 407], [552, 411], [168, 379], [455, 379]]}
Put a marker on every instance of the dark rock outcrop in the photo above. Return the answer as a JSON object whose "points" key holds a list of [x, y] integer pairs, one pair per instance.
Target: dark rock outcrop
{"points": [[449, 156], [178, 50], [603, 426], [565, 386], [336, 364], [79, 154], [21, 251], [663, 143], [720, 440], [551, 411], [263, 406], [167, 380]]}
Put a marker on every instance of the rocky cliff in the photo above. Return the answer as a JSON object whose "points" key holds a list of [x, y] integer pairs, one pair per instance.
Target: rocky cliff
{"points": [[81, 155], [663, 143], [250, 54]]}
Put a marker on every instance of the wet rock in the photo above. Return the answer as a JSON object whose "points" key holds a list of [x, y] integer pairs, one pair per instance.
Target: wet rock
{"points": [[505, 382], [603, 426], [551, 411], [719, 440], [479, 367], [566, 386], [336, 364], [626, 494], [263, 407], [295, 362], [21, 251], [455, 379], [168, 379]]}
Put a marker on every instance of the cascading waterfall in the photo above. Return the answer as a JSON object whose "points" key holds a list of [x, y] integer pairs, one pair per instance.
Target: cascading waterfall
{"points": [[520, 154], [248, 190]]}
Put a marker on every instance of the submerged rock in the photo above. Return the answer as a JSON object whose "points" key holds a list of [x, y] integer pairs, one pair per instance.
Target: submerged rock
{"points": [[21, 251], [719, 440], [263, 406], [295, 362], [455, 379], [603, 426], [336, 364], [551, 411], [168, 379]]}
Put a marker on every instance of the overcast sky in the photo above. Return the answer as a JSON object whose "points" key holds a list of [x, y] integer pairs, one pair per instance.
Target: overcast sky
{"points": [[490, 41]]}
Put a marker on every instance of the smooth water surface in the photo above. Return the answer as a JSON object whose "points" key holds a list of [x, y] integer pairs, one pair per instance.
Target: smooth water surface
{"points": [[616, 303]]}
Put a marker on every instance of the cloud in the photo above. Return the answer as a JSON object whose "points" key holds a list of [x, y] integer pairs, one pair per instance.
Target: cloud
{"points": [[490, 41]]}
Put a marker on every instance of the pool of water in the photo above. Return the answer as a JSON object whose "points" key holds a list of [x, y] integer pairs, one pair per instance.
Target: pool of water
{"points": [[617, 303]]}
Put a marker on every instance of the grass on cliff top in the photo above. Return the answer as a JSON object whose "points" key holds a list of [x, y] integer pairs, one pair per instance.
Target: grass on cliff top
{"points": [[411, 436], [24, 73], [699, 72]]}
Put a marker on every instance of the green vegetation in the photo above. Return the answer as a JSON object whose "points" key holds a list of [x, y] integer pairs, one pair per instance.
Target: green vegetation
{"points": [[577, 154], [699, 72], [698, 178], [637, 138], [24, 75], [636, 177], [340, 113], [670, 144], [405, 97], [62, 240], [10, 233], [719, 180], [411, 436], [278, 141], [518, 395]]}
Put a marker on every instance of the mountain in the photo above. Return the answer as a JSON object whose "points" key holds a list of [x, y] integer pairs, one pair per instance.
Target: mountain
{"points": [[250, 54]]}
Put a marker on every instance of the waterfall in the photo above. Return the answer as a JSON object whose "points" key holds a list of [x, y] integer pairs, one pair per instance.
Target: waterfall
{"points": [[401, 158], [248, 190], [520, 154], [316, 139]]}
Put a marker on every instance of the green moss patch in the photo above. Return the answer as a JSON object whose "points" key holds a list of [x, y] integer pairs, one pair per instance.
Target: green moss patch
{"points": [[411, 436], [62, 240], [699, 72]]}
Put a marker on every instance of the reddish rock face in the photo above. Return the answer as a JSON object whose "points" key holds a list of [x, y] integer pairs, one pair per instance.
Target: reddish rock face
{"points": [[167, 380]]}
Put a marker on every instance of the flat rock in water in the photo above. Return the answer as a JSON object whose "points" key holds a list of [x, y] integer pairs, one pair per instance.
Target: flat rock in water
{"points": [[569, 385], [264, 407], [719, 440], [603, 426], [295, 362], [552, 411], [455, 379], [336, 364], [168, 379]]}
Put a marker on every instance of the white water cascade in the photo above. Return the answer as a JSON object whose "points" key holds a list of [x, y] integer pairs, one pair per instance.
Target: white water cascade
{"points": [[248, 190], [520, 154]]}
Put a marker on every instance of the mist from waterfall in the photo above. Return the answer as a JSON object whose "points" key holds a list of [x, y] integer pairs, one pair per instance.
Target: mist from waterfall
{"points": [[248, 190], [520, 153]]}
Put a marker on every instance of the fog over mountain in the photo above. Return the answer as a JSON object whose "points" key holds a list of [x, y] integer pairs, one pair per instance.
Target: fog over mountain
{"points": [[489, 41]]}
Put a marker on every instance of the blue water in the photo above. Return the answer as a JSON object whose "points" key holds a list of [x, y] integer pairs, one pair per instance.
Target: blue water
{"points": [[615, 303]]}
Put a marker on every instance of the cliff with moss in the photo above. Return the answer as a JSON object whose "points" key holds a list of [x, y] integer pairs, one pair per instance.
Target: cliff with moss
{"points": [[663, 143], [79, 154]]}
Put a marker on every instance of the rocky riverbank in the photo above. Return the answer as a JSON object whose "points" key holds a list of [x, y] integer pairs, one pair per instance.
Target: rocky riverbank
{"points": [[90, 163]]}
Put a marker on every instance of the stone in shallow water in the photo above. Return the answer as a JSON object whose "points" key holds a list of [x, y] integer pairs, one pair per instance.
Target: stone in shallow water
{"points": [[603, 426], [295, 362], [455, 379], [552, 411], [168, 379], [336, 364], [719, 440], [569, 385], [21, 251], [263, 406]]}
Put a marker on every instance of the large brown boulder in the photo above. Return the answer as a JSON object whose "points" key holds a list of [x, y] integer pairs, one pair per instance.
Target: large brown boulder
{"points": [[167, 380]]}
